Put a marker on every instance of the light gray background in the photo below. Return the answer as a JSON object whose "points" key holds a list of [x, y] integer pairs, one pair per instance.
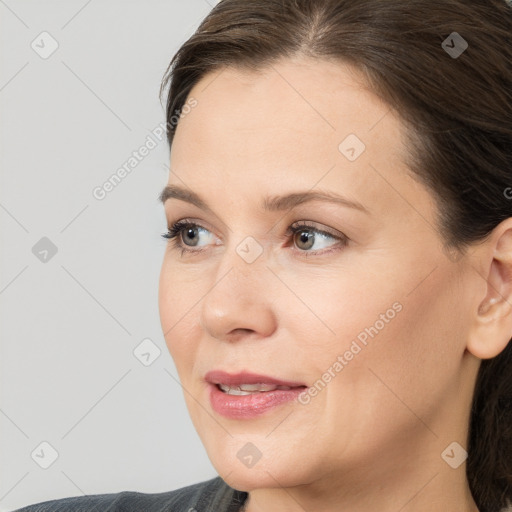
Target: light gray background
{"points": [[69, 325]]}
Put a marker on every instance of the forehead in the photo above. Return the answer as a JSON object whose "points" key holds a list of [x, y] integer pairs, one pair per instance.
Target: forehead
{"points": [[282, 127], [304, 96], [290, 110]]}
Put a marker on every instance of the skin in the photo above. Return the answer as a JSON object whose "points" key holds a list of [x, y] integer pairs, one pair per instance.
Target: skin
{"points": [[375, 434]]}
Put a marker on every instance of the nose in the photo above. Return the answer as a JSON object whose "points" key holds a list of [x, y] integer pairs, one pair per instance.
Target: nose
{"points": [[239, 301]]}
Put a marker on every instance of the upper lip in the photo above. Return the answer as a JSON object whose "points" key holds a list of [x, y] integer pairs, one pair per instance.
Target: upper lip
{"points": [[228, 379]]}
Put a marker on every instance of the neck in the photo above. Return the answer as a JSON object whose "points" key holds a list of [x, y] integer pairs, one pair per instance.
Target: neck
{"points": [[418, 471], [408, 475], [410, 488]]}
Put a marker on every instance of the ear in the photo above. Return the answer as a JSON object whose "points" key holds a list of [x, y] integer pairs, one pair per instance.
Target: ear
{"points": [[492, 322]]}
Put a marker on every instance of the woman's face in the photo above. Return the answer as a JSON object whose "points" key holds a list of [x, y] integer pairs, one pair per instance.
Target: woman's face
{"points": [[361, 305]]}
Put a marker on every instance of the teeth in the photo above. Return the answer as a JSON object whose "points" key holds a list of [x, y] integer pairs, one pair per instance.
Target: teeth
{"points": [[249, 389]]}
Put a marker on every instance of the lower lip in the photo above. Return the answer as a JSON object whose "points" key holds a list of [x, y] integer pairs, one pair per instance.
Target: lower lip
{"points": [[250, 406]]}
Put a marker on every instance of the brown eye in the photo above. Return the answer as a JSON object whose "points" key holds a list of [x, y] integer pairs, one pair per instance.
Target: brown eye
{"points": [[304, 239]]}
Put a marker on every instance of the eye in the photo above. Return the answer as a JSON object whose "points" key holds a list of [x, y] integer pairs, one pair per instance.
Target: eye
{"points": [[185, 230], [307, 236], [185, 234]]}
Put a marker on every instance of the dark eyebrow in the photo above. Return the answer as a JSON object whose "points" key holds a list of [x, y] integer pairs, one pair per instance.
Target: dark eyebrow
{"points": [[271, 203]]}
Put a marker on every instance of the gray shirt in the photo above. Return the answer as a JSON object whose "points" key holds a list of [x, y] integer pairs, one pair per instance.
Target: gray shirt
{"points": [[209, 496]]}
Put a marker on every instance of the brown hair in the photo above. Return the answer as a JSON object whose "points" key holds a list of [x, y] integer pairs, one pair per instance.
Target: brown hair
{"points": [[458, 111]]}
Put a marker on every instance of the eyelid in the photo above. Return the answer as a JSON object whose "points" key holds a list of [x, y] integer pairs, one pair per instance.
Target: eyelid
{"points": [[174, 236], [289, 231], [198, 223], [315, 226]]}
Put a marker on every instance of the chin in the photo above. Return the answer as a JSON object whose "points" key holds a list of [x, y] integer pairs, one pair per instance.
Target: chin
{"points": [[249, 479], [233, 463]]}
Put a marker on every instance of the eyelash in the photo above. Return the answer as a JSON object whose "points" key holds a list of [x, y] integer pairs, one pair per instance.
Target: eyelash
{"points": [[174, 231]]}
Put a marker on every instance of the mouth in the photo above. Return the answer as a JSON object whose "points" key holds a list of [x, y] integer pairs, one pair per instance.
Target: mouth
{"points": [[246, 395], [249, 389], [248, 382]]}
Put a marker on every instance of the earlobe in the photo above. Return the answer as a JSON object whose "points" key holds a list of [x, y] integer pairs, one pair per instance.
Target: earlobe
{"points": [[492, 322]]}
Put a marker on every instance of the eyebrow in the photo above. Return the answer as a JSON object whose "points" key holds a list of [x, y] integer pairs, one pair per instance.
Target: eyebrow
{"points": [[270, 203]]}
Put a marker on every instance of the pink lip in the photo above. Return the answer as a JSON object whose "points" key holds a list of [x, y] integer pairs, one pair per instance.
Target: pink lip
{"points": [[248, 406], [221, 377]]}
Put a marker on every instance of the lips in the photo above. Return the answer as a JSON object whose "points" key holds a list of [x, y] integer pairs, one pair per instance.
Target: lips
{"points": [[220, 377], [247, 389], [245, 395]]}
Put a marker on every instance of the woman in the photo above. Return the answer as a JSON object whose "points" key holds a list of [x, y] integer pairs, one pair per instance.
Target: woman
{"points": [[337, 289]]}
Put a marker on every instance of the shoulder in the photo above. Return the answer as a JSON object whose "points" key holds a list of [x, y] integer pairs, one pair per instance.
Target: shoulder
{"points": [[211, 495]]}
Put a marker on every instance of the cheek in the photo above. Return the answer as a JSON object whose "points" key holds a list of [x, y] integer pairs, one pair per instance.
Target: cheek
{"points": [[405, 334], [178, 297], [417, 355], [343, 306]]}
